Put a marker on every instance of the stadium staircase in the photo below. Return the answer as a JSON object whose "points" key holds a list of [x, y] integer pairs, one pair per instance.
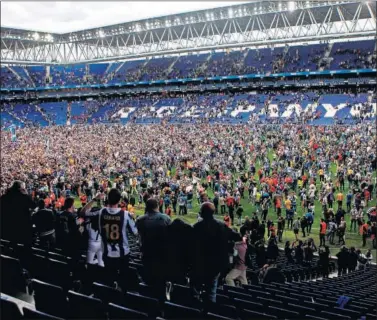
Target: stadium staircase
{"points": [[29, 77]]}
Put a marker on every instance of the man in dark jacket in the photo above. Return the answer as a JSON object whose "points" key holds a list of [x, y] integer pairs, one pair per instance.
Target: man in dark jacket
{"points": [[210, 244], [16, 224], [153, 232], [68, 229], [343, 256], [352, 259], [179, 248], [44, 220]]}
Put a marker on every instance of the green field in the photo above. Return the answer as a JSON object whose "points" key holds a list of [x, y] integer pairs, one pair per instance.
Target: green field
{"points": [[352, 239]]}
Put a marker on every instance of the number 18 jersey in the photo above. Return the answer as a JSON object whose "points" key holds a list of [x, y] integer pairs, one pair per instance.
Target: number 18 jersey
{"points": [[113, 224]]}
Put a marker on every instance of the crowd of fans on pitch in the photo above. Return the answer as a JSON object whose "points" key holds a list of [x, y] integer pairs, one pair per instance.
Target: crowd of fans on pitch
{"points": [[177, 166], [239, 62]]}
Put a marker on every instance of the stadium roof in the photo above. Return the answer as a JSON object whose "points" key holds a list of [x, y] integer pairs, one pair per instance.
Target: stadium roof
{"points": [[255, 23]]}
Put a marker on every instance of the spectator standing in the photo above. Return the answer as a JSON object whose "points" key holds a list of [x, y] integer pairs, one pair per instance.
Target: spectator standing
{"points": [[352, 259], [114, 223], [322, 233], [16, 223], [210, 245], [296, 227], [44, 221], [364, 232], [69, 229], [179, 251], [288, 252], [343, 257], [324, 261], [239, 270], [153, 231]]}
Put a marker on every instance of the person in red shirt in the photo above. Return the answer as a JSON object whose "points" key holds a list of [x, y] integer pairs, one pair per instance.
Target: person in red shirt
{"points": [[278, 206], [168, 211], [364, 231], [230, 202], [47, 202], [83, 199], [366, 196], [52, 196]]}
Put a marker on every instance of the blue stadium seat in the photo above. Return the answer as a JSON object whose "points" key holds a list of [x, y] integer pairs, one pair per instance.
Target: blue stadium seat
{"points": [[176, 311], [142, 304], [13, 276], [37, 315], [84, 307], [117, 312], [56, 306], [251, 314], [210, 315], [107, 294], [183, 295]]}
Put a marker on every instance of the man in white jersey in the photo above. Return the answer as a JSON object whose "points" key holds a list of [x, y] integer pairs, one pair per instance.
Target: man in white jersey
{"points": [[113, 222], [94, 241]]}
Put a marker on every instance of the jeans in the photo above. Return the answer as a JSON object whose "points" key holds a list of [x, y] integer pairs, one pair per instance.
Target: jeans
{"points": [[210, 287]]}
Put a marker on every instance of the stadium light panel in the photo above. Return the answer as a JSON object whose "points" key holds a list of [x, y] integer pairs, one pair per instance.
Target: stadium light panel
{"points": [[49, 38], [291, 5], [230, 13], [36, 36], [101, 34]]}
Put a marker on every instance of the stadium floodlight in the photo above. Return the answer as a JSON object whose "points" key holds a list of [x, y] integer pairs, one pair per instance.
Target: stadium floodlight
{"points": [[279, 5], [230, 13], [49, 38], [291, 5], [36, 36], [101, 34]]}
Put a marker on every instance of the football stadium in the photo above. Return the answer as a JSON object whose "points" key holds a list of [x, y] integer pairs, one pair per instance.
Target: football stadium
{"points": [[250, 128]]}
